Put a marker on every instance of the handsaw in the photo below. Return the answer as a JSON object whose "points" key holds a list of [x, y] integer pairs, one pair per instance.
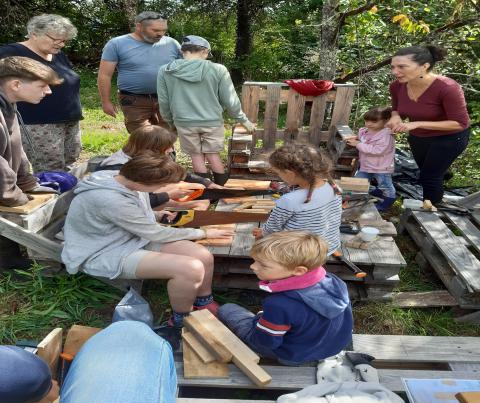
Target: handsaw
{"points": [[357, 272], [216, 194], [199, 218]]}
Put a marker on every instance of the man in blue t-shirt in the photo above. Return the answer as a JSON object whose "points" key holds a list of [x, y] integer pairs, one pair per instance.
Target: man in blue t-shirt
{"points": [[137, 58]]}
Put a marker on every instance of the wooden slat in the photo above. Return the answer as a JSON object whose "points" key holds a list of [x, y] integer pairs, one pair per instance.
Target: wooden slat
{"points": [[462, 260], [424, 299], [38, 201], [295, 111], [317, 117], [49, 349], [247, 184], [250, 97], [271, 116], [45, 247], [467, 228], [343, 106], [418, 348], [301, 377], [193, 367], [203, 353], [77, 336]]}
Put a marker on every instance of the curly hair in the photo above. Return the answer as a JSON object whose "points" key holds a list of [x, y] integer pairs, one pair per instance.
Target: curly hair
{"points": [[308, 162]]}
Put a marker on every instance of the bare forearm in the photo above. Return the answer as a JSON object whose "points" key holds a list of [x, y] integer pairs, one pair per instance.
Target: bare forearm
{"points": [[104, 82], [444, 125]]}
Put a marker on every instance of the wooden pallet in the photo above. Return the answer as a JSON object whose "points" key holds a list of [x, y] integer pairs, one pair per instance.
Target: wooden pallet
{"points": [[396, 357], [453, 257], [382, 262], [327, 116]]}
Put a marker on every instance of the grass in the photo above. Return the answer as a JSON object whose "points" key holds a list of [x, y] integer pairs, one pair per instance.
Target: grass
{"points": [[31, 304]]}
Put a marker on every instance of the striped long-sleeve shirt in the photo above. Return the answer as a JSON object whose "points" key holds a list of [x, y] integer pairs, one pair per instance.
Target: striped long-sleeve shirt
{"points": [[321, 216]]}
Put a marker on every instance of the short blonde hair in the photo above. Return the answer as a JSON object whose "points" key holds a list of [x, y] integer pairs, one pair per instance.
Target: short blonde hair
{"points": [[292, 249]]}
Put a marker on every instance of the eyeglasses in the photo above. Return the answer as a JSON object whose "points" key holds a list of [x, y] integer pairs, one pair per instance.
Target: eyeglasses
{"points": [[57, 41]]}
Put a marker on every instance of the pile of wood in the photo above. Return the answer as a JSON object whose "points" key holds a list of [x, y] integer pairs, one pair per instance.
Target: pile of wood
{"points": [[208, 345]]}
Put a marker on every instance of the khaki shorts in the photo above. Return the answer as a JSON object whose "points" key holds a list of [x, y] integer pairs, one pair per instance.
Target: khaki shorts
{"points": [[131, 262], [201, 140]]}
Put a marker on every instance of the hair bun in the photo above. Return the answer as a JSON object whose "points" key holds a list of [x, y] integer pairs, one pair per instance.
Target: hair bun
{"points": [[437, 53]]}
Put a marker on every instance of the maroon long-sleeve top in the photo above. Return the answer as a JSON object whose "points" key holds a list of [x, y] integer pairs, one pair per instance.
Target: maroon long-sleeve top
{"points": [[443, 100]]}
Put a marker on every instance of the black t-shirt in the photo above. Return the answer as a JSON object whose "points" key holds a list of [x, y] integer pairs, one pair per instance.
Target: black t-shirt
{"points": [[63, 104]]}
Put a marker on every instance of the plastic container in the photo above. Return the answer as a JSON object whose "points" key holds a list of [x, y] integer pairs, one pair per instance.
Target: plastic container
{"points": [[412, 203], [368, 234]]}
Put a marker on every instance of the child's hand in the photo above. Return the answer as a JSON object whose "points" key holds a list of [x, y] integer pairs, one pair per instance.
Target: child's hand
{"points": [[257, 233], [353, 141], [218, 233]]}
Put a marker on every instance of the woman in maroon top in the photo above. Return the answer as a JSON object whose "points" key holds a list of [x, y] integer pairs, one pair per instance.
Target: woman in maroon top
{"points": [[438, 122]]}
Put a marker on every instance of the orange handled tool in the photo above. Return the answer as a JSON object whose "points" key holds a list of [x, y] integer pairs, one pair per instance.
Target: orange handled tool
{"points": [[192, 196], [352, 267]]}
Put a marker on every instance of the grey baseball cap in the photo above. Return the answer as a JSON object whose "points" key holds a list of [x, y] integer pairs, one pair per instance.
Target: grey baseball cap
{"points": [[198, 41]]}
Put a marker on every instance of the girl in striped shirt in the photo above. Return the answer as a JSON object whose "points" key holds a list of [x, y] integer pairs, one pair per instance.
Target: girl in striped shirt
{"points": [[314, 205]]}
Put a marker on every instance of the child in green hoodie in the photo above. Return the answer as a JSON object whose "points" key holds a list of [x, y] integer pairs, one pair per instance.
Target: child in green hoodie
{"points": [[192, 94]]}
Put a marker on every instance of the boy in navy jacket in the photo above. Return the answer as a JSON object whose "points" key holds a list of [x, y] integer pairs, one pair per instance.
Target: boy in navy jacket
{"points": [[308, 315]]}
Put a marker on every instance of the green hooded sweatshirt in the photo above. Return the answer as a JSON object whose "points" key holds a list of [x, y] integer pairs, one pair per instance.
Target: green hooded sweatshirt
{"points": [[194, 93]]}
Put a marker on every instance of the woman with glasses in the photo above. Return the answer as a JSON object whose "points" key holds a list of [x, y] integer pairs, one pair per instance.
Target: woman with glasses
{"points": [[51, 137]]}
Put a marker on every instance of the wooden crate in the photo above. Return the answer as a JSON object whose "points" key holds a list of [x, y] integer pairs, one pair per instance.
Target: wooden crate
{"points": [[453, 257], [326, 117]]}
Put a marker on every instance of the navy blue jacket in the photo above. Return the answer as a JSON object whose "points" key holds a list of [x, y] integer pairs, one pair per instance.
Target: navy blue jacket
{"points": [[307, 324]]}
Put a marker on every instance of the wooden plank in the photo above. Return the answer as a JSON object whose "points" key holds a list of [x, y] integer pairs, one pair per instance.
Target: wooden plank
{"points": [[462, 260], [254, 371], [418, 348], [295, 111], [385, 252], [206, 326], [471, 201], [38, 201], [424, 299], [343, 106], [77, 336], [468, 397], [45, 247], [270, 122], [286, 378], [317, 117], [247, 184], [194, 367], [49, 349], [203, 353], [349, 184], [468, 230], [250, 97], [385, 227]]}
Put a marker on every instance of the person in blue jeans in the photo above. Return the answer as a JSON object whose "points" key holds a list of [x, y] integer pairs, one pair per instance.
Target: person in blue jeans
{"points": [[124, 363]]}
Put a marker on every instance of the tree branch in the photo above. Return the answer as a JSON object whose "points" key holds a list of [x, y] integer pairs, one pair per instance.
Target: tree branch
{"points": [[447, 27], [356, 11]]}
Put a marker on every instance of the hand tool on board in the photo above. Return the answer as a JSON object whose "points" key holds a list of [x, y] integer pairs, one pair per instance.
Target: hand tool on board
{"points": [[352, 267], [199, 218]]}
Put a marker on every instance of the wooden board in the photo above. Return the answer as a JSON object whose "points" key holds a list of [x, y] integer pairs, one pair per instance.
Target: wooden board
{"points": [[469, 230], [247, 184], [77, 336], [194, 367], [425, 299], [349, 184], [49, 349], [211, 331], [38, 201], [236, 200], [217, 241], [385, 227], [203, 353], [462, 260]]}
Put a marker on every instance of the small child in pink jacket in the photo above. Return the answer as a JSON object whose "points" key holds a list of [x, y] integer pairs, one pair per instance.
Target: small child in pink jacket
{"points": [[376, 147]]}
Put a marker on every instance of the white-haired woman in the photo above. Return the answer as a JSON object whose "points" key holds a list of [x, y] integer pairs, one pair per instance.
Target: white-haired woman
{"points": [[52, 139]]}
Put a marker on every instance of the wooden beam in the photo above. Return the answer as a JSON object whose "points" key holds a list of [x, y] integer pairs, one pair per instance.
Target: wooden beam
{"points": [[49, 349]]}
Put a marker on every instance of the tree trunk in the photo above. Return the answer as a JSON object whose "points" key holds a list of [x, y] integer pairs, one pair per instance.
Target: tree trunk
{"points": [[130, 8], [244, 42], [328, 43]]}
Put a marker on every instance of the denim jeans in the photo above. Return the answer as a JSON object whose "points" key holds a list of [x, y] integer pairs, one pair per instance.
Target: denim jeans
{"points": [[434, 155], [384, 182], [125, 363]]}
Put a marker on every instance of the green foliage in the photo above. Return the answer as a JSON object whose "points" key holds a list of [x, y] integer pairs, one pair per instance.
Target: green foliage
{"points": [[31, 304]]}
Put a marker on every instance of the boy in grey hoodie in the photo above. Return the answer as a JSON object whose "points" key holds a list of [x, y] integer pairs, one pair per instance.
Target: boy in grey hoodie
{"points": [[111, 231], [192, 94]]}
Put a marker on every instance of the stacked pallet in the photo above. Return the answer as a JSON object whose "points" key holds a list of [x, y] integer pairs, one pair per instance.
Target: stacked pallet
{"points": [[450, 245], [209, 345]]}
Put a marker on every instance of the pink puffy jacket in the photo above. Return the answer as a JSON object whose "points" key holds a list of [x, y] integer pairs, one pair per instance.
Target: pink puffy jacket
{"points": [[376, 151]]}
